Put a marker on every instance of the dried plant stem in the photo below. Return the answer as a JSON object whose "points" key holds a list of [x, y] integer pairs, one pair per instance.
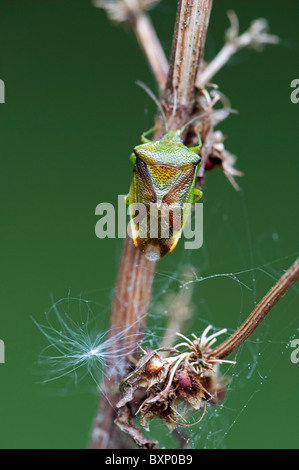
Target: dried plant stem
{"points": [[133, 13], [135, 276], [259, 313], [129, 309], [151, 47]]}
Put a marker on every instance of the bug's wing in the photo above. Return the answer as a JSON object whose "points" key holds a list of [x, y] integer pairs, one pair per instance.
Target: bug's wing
{"points": [[181, 190], [141, 192], [180, 199]]}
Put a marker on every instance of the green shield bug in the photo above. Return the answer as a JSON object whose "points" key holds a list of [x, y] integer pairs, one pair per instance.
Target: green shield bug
{"points": [[163, 185]]}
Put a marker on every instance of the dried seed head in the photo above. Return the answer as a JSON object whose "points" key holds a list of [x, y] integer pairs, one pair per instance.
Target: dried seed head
{"points": [[189, 377]]}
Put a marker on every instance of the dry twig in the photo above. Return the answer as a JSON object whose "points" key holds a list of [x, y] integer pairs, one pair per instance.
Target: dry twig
{"points": [[256, 36], [133, 13], [259, 313]]}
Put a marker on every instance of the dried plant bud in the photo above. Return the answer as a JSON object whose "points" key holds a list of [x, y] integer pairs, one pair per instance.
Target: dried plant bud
{"points": [[149, 371], [154, 366], [189, 387], [184, 380]]}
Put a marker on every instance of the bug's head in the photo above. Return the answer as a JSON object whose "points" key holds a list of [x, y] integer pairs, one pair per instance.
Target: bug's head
{"points": [[173, 136]]}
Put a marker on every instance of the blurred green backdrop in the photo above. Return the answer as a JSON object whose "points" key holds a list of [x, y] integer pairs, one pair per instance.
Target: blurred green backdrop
{"points": [[72, 115]]}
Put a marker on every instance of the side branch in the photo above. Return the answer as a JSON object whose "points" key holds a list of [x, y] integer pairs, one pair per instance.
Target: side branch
{"points": [[256, 36], [259, 313], [151, 47], [133, 13]]}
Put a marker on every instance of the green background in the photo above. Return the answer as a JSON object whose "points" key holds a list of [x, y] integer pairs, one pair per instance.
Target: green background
{"points": [[72, 116]]}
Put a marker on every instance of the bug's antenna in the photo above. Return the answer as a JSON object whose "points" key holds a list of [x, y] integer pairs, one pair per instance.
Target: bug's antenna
{"points": [[155, 99]]}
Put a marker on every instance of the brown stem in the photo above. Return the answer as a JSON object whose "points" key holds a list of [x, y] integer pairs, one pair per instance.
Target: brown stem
{"points": [[189, 39], [133, 13], [135, 276], [129, 309], [259, 313]]}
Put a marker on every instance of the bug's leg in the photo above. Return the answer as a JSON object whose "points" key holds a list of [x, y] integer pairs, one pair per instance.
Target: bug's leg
{"points": [[198, 193], [133, 158], [144, 140], [197, 147]]}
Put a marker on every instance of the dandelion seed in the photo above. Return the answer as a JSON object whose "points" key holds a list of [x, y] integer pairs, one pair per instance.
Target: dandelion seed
{"points": [[79, 348]]}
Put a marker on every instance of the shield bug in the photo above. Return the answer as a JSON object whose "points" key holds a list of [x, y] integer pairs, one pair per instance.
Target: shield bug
{"points": [[162, 191]]}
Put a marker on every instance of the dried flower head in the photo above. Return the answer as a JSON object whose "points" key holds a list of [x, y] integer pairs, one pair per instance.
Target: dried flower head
{"points": [[188, 377]]}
